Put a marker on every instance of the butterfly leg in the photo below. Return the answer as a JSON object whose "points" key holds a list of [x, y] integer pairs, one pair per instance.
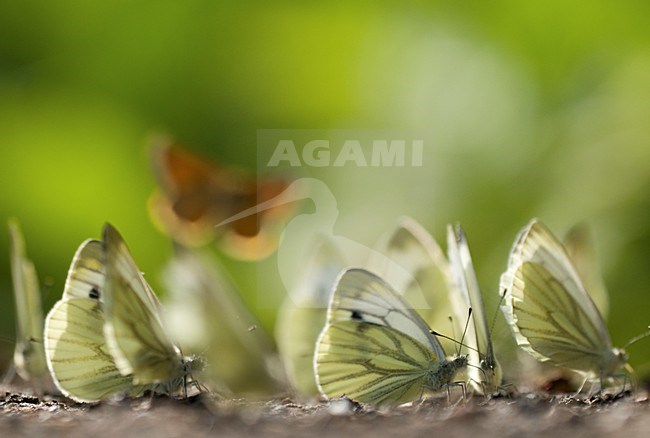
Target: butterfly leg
{"points": [[192, 382], [421, 396], [484, 389], [480, 383], [622, 391], [584, 382], [509, 389], [463, 387], [626, 380], [593, 384]]}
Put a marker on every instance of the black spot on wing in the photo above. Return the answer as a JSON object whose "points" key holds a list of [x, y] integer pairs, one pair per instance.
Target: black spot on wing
{"points": [[356, 315], [94, 293]]}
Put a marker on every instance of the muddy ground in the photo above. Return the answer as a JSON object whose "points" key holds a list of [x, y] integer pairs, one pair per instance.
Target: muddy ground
{"points": [[556, 416]]}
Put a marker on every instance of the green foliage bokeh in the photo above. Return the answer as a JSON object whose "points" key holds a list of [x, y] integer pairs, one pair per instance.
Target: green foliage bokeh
{"points": [[539, 108]]}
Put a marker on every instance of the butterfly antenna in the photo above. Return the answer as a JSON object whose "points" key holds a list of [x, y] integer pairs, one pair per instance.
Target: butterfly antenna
{"points": [[496, 312], [460, 343], [453, 327], [637, 338], [469, 315], [453, 332], [440, 335], [480, 369]]}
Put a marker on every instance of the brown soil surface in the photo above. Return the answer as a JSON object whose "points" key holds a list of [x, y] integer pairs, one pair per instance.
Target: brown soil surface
{"points": [[625, 415]]}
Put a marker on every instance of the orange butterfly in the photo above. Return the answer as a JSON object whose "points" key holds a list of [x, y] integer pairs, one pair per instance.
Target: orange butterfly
{"points": [[195, 194]]}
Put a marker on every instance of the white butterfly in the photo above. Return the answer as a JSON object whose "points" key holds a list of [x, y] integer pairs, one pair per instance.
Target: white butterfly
{"points": [[485, 374], [207, 314], [451, 288], [105, 335], [375, 348], [549, 310], [430, 284], [29, 355], [407, 258], [304, 312]]}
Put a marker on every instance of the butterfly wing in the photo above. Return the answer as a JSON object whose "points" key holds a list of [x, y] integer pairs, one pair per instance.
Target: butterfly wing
{"points": [[487, 371], [133, 329], [538, 245], [362, 296], [411, 247], [553, 327], [87, 273], [196, 194], [303, 314], [207, 315], [77, 354], [370, 363], [29, 355], [548, 308], [374, 347]]}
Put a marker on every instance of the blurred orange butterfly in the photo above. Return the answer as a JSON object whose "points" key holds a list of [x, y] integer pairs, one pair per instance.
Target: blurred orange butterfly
{"points": [[195, 194]]}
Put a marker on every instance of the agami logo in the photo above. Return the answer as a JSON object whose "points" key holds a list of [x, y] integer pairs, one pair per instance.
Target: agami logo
{"points": [[351, 152]]}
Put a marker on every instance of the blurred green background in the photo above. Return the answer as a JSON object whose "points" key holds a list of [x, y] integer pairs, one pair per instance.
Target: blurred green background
{"points": [[537, 108]]}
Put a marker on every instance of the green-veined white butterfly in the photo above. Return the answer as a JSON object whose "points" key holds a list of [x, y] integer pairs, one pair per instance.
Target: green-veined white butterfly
{"points": [[303, 314], [549, 310], [406, 257], [580, 246], [430, 284], [486, 374], [304, 311], [452, 286], [105, 335], [29, 354], [206, 314], [375, 348]]}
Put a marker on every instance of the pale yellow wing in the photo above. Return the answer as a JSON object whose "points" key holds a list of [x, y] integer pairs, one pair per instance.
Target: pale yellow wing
{"points": [[77, 355], [537, 244], [134, 332], [29, 355], [430, 284], [360, 295], [486, 373], [87, 272], [303, 314], [553, 327], [206, 315], [371, 363], [374, 348]]}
